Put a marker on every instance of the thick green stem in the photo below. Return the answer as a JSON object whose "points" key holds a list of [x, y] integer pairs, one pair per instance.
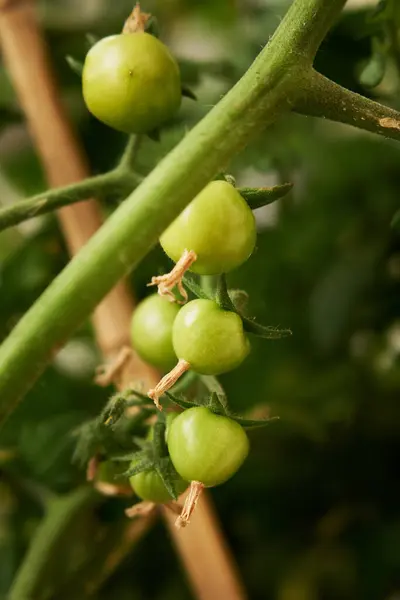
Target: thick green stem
{"points": [[322, 97], [61, 513], [117, 181], [267, 90]]}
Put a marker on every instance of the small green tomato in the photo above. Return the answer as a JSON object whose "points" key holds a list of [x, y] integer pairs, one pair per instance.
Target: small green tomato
{"points": [[218, 226], [210, 339], [131, 82], [206, 447], [149, 486], [151, 331]]}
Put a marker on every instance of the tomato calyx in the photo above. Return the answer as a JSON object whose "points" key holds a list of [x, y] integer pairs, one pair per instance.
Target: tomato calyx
{"points": [[218, 405], [232, 300], [166, 283]]}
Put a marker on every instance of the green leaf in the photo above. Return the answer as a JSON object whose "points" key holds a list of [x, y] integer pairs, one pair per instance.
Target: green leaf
{"points": [[217, 404], [91, 39], [168, 475], [195, 288], [146, 464], [75, 65], [252, 423], [268, 333], [137, 455], [214, 386], [159, 444], [239, 298], [258, 197], [188, 93], [181, 402]]}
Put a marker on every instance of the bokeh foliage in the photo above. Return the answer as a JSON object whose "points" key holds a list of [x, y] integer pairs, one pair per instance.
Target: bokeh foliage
{"points": [[314, 513]]}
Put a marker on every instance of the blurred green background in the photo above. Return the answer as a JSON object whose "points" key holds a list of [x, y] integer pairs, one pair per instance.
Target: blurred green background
{"points": [[315, 511]]}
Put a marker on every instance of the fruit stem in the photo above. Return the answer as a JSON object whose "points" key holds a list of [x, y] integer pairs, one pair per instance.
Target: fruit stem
{"points": [[141, 509], [167, 282], [136, 22], [114, 371], [168, 381], [195, 490]]}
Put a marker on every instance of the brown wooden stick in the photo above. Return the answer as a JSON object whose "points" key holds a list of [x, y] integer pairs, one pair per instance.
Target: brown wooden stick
{"points": [[203, 551]]}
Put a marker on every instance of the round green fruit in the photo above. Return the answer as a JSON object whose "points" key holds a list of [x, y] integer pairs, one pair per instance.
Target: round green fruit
{"points": [[149, 486], [151, 331], [218, 225], [206, 447], [131, 82], [210, 339]]}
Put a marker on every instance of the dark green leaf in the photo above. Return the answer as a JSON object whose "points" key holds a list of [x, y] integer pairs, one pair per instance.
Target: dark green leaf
{"points": [[188, 93], [252, 423], [257, 197], [195, 288], [75, 65], [181, 402], [269, 333], [168, 475]]}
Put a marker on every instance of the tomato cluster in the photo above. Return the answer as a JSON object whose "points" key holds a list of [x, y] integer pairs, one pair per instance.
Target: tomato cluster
{"points": [[132, 83]]}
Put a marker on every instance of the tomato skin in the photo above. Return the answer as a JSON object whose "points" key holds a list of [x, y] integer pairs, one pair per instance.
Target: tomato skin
{"points": [[206, 447], [148, 486], [131, 82], [151, 331], [210, 339], [218, 225]]}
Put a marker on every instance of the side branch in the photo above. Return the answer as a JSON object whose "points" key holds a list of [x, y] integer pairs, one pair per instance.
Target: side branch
{"points": [[328, 100], [100, 185]]}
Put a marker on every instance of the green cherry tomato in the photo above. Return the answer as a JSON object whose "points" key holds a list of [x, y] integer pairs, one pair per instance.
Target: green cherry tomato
{"points": [[148, 486], [210, 339], [151, 331], [131, 82], [206, 447], [218, 225]]}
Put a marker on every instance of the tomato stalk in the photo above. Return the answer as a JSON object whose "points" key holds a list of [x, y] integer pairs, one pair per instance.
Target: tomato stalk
{"points": [[195, 491], [168, 381], [166, 283]]}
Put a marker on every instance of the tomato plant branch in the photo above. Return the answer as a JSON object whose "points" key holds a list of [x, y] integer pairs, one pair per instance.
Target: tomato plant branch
{"points": [[61, 513], [116, 181], [321, 97], [267, 90]]}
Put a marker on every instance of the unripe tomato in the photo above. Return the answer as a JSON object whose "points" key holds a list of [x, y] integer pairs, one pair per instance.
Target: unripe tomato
{"points": [[210, 339], [149, 486], [151, 331], [131, 82], [206, 447], [218, 226]]}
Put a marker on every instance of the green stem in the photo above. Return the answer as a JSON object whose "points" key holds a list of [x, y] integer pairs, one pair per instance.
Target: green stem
{"points": [[61, 513], [100, 185], [267, 90], [128, 158], [322, 97]]}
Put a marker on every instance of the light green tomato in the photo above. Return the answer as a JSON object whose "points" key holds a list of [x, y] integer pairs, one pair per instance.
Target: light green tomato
{"points": [[206, 447], [151, 331], [131, 82], [148, 486], [210, 339], [218, 225]]}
